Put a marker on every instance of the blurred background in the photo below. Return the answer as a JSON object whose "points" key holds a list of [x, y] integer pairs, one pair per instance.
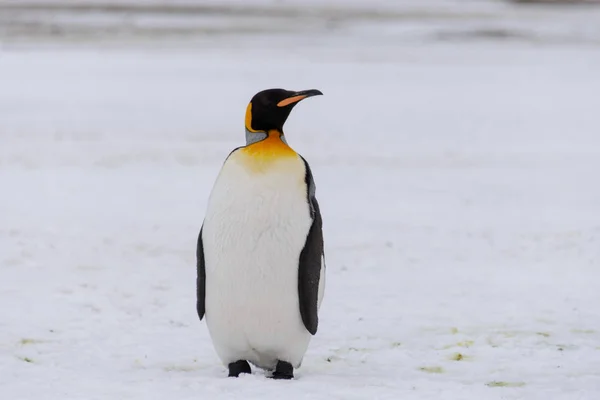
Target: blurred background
{"points": [[213, 22], [456, 152]]}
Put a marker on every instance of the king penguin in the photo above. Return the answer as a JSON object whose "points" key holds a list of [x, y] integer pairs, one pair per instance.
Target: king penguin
{"points": [[260, 257]]}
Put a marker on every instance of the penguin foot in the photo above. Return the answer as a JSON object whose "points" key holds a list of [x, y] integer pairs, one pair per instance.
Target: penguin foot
{"points": [[239, 367], [283, 370]]}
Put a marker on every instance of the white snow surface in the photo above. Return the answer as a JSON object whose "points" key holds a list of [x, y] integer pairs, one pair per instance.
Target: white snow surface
{"points": [[458, 182]]}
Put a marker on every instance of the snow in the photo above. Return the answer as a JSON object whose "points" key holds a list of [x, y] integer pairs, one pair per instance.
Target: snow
{"points": [[457, 180]]}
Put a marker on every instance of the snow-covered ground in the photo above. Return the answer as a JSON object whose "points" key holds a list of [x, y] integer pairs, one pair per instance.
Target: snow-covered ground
{"points": [[458, 182]]}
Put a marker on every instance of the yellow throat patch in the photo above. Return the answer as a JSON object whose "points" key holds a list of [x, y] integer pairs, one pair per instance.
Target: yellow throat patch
{"points": [[261, 154]]}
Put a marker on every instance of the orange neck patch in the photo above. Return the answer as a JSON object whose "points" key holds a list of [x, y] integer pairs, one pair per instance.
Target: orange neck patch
{"points": [[270, 149], [249, 118]]}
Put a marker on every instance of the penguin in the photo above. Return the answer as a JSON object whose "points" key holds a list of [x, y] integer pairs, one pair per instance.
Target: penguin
{"points": [[260, 252]]}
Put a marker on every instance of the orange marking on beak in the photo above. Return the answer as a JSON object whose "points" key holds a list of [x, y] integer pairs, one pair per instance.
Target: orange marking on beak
{"points": [[290, 100]]}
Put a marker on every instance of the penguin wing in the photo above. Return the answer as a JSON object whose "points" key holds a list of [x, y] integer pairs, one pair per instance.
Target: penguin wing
{"points": [[312, 264], [201, 277]]}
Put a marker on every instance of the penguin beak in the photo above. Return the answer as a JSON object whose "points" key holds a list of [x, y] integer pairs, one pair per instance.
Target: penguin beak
{"points": [[297, 96]]}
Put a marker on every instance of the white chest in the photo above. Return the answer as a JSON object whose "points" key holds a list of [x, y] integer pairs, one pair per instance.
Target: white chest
{"points": [[252, 207], [254, 230]]}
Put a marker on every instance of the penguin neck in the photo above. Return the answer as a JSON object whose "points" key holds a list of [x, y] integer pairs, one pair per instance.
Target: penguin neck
{"points": [[269, 145], [255, 137]]}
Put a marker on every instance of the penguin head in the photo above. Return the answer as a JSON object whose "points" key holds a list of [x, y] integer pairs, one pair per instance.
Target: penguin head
{"points": [[269, 109]]}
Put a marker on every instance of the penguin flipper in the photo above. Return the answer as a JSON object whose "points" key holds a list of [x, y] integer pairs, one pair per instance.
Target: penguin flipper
{"points": [[311, 262], [201, 277]]}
